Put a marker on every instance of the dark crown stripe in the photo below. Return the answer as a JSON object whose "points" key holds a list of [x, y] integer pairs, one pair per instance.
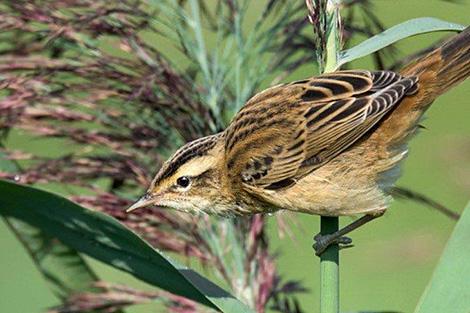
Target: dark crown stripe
{"points": [[196, 148]]}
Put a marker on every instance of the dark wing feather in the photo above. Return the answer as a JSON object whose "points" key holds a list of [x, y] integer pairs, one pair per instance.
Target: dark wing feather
{"points": [[287, 131]]}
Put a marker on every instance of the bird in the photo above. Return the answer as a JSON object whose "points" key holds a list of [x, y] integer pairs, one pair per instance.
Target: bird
{"points": [[330, 145]]}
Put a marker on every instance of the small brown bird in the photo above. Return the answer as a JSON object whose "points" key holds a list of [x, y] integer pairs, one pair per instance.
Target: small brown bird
{"points": [[329, 145]]}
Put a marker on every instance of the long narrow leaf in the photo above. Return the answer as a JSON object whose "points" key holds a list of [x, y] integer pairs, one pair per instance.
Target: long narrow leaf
{"points": [[403, 30], [449, 288], [63, 268], [105, 239]]}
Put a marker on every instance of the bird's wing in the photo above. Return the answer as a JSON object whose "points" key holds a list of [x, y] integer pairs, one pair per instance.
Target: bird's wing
{"points": [[288, 131]]}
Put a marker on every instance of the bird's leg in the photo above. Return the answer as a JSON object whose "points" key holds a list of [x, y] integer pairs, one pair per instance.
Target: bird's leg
{"points": [[323, 241]]}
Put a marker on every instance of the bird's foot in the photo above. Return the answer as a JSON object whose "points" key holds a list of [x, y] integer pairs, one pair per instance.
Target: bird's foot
{"points": [[324, 241]]}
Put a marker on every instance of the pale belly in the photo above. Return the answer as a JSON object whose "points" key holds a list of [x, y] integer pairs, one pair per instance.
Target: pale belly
{"points": [[316, 195], [342, 187]]}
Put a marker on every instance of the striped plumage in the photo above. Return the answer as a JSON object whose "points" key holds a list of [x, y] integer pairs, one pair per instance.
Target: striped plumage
{"points": [[328, 145], [288, 131]]}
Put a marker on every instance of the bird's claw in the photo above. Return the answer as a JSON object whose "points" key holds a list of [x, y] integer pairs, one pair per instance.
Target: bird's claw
{"points": [[324, 241]]}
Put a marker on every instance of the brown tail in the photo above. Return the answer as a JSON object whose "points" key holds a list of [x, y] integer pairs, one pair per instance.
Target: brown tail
{"points": [[443, 67], [437, 72]]}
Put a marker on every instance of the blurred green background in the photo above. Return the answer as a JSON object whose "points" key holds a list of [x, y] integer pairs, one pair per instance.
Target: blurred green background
{"points": [[394, 256]]}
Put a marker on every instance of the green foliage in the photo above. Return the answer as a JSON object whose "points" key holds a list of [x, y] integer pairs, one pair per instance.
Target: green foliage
{"points": [[449, 289], [123, 87], [102, 237], [62, 267], [393, 34], [230, 62]]}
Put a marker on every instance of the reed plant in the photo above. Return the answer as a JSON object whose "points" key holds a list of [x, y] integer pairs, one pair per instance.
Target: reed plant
{"points": [[109, 89]]}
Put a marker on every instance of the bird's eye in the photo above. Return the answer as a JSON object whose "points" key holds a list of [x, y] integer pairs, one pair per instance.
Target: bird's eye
{"points": [[183, 181]]}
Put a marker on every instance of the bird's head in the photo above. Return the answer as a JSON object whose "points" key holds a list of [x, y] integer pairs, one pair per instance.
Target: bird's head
{"points": [[190, 180]]}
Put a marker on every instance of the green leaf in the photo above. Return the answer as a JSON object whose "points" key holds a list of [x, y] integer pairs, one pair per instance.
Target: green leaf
{"points": [[103, 238], [449, 288], [403, 30], [63, 268]]}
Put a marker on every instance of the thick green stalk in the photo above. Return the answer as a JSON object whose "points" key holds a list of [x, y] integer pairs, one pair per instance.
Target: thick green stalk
{"points": [[333, 36], [329, 269], [329, 259]]}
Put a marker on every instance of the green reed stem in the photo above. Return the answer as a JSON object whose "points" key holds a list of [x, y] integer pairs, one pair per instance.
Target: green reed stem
{"points": [[329, 269], [333, 36], [329, 259]]}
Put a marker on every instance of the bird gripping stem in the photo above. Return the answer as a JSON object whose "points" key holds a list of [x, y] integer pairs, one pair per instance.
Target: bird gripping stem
{"points": [[329, 259]]}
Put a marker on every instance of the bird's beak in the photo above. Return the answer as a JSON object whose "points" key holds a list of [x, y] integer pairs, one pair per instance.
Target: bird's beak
{"points": [[144, 201]]}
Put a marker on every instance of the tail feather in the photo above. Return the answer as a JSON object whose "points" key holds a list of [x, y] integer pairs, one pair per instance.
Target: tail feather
{"points": [[455, 56], [442, 68], [437, 72]]}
